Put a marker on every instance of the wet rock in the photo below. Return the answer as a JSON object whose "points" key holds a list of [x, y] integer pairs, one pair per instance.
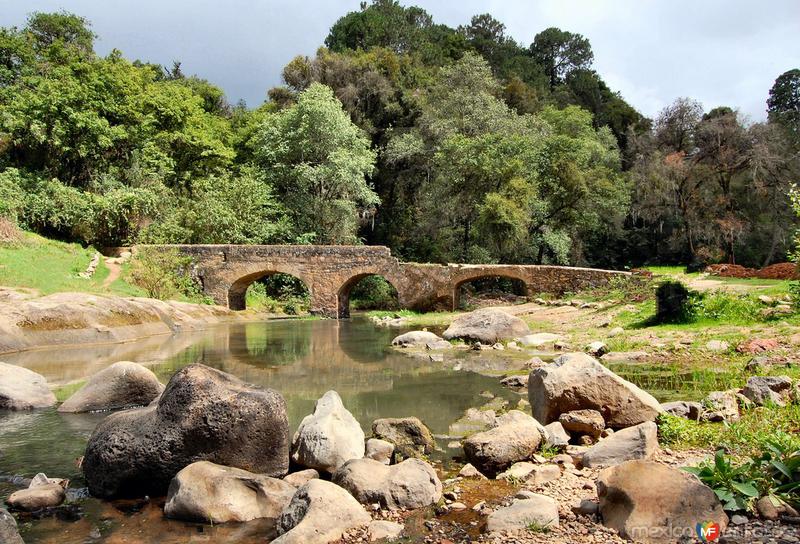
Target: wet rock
{"points": [[410, 484], [555, 435], [319, 512], [495, 450], [588, 422], [203, 415], [763, 390], [638, 442], [329, 437], [537, 509], [683, 408], [384, 530], [8, 529], [488, 326], [658, 498], [121, 385], [416, 339], [210, 493], [720, 406], [596, 348], [576, 381], [538, 339], [301, 477], [379, 450], [23, 389], [411, 438], [37, 497]]}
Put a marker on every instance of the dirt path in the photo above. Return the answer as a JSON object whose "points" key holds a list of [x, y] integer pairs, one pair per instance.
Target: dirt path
{"points": [[114, 270]]}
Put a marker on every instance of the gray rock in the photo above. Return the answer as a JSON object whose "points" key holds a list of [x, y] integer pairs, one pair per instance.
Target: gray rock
{"points": [[763, 390], [121, 385], [638, 442], [576, 381], [538, 339], [515, 382], [538, 509], [23, 389], [717, 345], [8, 529], [319, 512], [495, 450], [617, 357], [379, 450], [648, 501], [469, 471], [588, 422], [488, 326], [384, 530], [683, 408], [555, 435], [203, 415], [585, 507], [210, 493], [329, 437], [416, 339], [596, 348], [301, 477], [720, 406], [410, 484], [411, 438], [737, 519]]}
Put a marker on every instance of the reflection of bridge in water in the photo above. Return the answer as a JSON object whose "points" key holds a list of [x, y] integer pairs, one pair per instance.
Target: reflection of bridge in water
{"points": [[330, 272]]}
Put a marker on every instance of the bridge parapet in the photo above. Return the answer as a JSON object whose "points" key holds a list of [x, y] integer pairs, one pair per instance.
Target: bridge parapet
{"points": [[330, 272]]}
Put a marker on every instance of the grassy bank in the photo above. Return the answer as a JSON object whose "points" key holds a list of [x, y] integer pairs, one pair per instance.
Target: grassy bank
{"points": [[49, 266]]}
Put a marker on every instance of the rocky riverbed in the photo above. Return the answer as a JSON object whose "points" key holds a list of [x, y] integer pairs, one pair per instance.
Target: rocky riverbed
{"points": [[572, 456]]}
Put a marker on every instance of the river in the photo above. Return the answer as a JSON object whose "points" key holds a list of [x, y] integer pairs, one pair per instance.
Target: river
{"points": [[302, 359]]}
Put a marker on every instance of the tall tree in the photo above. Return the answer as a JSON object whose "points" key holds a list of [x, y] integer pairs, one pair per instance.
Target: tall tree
{"points": [[783, 104], [561, 52], [318, 161]]}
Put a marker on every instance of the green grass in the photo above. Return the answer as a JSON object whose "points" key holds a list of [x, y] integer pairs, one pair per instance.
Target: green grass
{"points": [[670, 271], [65, 391], [49, 266], [417, 318]]}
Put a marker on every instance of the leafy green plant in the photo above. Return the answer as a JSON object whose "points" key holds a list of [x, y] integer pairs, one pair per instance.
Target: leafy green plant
{"points": [[165, 274], [537, 527], [733, 484]]}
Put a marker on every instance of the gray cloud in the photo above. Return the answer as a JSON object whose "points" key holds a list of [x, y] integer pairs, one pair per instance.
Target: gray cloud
{"points": [[721, 52]]}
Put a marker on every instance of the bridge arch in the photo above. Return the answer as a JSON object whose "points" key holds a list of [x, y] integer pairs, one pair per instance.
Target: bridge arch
{"points": [[343, 296], [522, 279], [237, 293]]}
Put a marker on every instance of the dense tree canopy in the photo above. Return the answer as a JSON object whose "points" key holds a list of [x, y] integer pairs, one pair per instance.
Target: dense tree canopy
{"points": [[446, 144]]}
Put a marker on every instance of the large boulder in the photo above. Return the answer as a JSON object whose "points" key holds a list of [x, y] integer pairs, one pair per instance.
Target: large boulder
{"points": [[536, 510], [637, 442], [203, 415], [8, 529], [495, 450], [576, 381], [763, 390], [650, 502], [411, 438], [410, 484], [319, 512], [211, 493], [121, 385], [23, 389], [487, 326], [328, 437], [589, 422]]}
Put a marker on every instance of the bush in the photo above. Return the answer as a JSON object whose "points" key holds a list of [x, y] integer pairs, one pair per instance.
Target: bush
{"points": [[374, 293], [673, 303], [165, 274]]}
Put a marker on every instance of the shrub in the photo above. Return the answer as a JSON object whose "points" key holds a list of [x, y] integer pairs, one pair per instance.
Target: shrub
{"points": [[165, 274], [374, 293], [673, 303]]}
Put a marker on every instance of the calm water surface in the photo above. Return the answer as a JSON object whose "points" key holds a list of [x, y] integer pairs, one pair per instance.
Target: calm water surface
{"points": [[301, 359]]}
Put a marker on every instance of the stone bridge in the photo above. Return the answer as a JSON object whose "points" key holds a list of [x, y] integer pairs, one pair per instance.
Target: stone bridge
{"points": [[330, 272]]}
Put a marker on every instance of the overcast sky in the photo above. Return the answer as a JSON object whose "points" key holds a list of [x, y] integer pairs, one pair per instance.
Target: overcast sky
{"points": [[721, 52]]}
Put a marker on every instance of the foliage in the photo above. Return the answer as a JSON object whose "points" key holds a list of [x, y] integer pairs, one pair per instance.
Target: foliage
{"points": [[317, 160], [673, 303], [164, 274], [774, 473], [373, 293]]}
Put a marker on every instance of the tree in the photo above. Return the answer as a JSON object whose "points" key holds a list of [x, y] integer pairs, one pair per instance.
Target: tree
{"points": [[60, 29], [318, 161], [561, 52], [783, 104]]}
